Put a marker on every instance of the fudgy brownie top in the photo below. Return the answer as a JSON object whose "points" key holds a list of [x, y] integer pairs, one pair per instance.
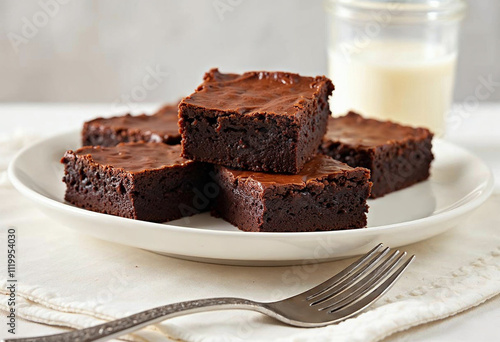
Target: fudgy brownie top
{"points": [[355, 130], [257, 92], [134, 157], [162, 122], [318, 168]]}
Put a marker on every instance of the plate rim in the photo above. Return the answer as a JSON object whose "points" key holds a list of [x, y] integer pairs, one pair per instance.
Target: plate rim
{"points": [[485, 190]]}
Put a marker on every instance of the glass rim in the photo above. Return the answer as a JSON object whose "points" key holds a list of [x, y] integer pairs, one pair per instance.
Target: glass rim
{"points": [[426, 10]]}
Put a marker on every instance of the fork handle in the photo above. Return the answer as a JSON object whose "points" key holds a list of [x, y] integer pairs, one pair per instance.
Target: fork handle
{"points": [[125, 325]]}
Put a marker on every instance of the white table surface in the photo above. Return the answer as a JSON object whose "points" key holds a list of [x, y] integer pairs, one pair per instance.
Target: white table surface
{"points": [[476, 128]]}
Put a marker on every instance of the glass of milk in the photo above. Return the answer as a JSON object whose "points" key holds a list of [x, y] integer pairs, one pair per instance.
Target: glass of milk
{"points": [[394, 59]]}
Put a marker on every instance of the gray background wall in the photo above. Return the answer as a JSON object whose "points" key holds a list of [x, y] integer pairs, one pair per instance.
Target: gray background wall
{"points": [[104, 50]]}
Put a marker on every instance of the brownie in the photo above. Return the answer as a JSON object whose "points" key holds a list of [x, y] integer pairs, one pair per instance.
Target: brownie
{"points": [[260, 121], [143, 181], [325, 195], [398, 156], [159, 127]]}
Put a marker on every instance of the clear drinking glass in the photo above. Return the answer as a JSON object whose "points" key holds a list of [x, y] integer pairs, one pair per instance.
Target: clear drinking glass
{"points": [[394, 59]]}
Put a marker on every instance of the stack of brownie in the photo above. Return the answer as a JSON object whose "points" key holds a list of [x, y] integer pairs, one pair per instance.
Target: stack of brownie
{"points": [[254, 149]]}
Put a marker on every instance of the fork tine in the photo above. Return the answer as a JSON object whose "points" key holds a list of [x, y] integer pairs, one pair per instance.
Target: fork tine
{"points": [[365, 286], [351, 310], [367, 275], [337, 286], [319, 289]]}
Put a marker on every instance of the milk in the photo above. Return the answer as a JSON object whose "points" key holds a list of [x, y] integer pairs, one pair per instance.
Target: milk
{"points": [[407, 82]]}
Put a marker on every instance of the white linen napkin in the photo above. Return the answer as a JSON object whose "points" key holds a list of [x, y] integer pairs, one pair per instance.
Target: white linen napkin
{"points": [[71, 280]]}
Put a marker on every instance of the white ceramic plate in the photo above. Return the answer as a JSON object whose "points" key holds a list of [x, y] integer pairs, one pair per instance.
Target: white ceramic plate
{"points": [[460, 182]]}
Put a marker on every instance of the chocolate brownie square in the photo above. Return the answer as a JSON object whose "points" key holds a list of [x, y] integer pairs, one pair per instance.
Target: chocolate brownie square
{"points": [[398, 156], [325, 195], [261, 121], [159, 127], [143, 181]]}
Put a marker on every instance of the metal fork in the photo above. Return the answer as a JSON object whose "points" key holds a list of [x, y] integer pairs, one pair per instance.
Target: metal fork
{"points": [[342, 296]]}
